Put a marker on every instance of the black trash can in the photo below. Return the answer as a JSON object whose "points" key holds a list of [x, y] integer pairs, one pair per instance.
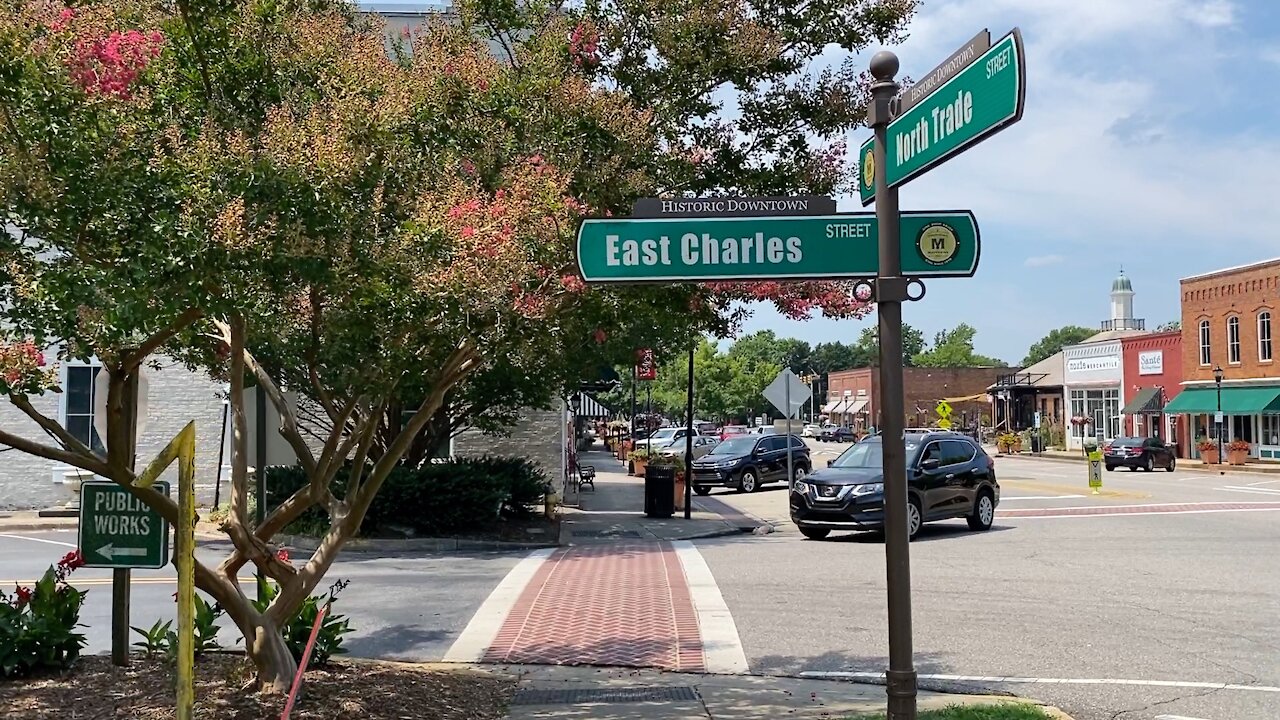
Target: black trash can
{"points": [[659, 491], [1036, 443]]}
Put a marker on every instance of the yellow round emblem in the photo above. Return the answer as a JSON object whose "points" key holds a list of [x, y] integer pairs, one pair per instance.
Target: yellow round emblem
{"points": [[869, 170], [937, 243]]}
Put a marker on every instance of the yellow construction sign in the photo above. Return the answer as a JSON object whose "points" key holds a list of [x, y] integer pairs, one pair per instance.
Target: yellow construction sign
{"points": [[944, 414]]}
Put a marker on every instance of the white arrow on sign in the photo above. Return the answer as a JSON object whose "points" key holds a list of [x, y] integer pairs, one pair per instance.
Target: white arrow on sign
{"points": [[110, 552]]}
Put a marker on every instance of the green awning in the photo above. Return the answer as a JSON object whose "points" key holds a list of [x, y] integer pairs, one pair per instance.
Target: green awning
{"points": [[1147, 400], [1235, 401]]}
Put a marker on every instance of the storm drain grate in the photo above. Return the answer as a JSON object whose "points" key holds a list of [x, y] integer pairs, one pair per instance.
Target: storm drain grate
{"points": [[616, 695], [607, 533]]}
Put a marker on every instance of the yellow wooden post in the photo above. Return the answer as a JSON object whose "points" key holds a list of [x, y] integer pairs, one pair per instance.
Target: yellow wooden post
{"points": [[183, 449]]}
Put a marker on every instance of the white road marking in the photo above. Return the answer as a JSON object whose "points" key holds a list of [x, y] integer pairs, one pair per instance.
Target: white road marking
{"points": [[1039, 497], [478, 635], [1176, 717], [1250, 489], [1264, 482], [1133, 514], [39, 540], [849, 675], [721, 646], [1207, 504]]}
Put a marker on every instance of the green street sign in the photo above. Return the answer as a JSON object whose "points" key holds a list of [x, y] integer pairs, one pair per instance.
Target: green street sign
{"points": [[118, 530], [979, 101], [804, 247]]}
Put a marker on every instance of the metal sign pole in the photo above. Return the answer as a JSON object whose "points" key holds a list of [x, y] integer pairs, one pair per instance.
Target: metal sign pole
{"points": [[688, 443], [121, 577], [791, 470], [891, 291]]}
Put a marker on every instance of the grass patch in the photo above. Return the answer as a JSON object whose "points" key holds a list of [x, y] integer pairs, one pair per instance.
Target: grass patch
{"points": [[999, 711]]}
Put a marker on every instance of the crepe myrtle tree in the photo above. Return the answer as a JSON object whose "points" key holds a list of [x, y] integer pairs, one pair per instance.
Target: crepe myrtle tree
{"points": [[259, 189]]}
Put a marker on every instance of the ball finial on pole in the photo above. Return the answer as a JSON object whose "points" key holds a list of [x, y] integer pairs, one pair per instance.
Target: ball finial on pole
{"points": [[884, 65]]}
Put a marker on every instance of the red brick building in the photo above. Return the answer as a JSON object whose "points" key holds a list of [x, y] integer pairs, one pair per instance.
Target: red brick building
{"points": [[1229, 323], [1152, 378], [853, 396]]}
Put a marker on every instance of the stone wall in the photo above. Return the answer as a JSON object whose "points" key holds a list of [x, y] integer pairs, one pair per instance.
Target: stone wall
{"points": [[536, 436]]}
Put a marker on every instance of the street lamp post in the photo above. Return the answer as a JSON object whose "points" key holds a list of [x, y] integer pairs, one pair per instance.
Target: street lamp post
{"points": [[1217, 419]]}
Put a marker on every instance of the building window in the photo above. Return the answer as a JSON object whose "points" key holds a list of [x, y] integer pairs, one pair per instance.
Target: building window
{"points": [[78, 404], [1271, 430], [1264, 336], [1233, 340], [1206, 355]]}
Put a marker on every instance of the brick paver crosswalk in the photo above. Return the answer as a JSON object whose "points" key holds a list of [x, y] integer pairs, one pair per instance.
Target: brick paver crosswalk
{"points": [[623, 605]]}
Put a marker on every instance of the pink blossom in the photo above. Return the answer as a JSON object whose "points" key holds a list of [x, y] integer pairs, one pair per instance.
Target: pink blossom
{"points": [[468, 231], [468, 167], [482, 84], [599, 336], [404, 32], [109, 66], [573, 283]]}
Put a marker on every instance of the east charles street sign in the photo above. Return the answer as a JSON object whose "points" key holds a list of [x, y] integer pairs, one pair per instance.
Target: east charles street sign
{"points": [[804, 247]]}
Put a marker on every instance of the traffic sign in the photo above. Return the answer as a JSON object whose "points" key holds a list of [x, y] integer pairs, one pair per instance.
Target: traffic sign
{"points": [[117, 530], [974, 104], [943, 409], [636, 250], [1095, 470], [787, 392], [945, 424]]}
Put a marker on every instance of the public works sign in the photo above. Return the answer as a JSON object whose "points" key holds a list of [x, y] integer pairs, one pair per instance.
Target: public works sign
{"points": [[646, 368]]}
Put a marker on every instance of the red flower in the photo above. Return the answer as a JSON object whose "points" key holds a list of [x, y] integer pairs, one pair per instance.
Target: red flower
{"points": [[282, 555], [600, 336], [23, 595], [573, 283], [72, 560]]}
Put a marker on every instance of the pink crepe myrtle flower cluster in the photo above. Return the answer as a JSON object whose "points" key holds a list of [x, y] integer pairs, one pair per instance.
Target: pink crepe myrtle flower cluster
{"points": [[63, 20], [109, 66], [797, 300], [584, 46], [573, 283], [23, 369]]}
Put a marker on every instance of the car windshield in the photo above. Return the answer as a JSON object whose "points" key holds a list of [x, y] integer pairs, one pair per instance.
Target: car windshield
{"points": [[867, 455], [735, 446], [664, 434], [1127, 442]]}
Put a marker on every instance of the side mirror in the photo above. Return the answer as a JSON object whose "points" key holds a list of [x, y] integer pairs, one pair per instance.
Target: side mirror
{"points": [[930, 464], [831, 463]]}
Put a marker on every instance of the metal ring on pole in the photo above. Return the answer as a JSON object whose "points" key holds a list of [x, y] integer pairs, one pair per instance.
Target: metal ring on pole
{"points": [[864, 290], [916, 283]]}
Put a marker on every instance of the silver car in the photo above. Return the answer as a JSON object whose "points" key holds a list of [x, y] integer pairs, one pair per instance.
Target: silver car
{"points": [[701, 446]]}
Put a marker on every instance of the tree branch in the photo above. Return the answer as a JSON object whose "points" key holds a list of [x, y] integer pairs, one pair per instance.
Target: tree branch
{"points": [[90, 463], [52, 427], [156, 341], [239, 436]]}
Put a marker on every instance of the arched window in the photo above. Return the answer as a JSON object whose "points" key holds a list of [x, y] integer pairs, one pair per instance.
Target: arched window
{"points": [[1264, 336], [1206, 351], [1233, 340]]}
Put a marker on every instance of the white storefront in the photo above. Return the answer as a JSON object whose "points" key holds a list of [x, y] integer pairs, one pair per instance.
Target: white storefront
{"points": [[1093, 374]]}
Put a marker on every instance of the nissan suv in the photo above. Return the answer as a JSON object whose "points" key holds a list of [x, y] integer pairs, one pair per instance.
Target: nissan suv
{"points": [[948, 476], [746, 462]]}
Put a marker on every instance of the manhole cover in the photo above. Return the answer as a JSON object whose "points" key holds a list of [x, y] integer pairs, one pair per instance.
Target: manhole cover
{"points": [[615, 695], [606, 533]]}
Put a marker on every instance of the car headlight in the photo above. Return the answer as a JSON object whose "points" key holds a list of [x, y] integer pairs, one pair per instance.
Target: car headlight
{"points": [[868, 489], [801, 487]]}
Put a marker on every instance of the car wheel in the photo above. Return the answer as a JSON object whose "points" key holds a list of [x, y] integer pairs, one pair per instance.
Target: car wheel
{"points": [[749, 482], [702, 489], [1173, 463], [984, 512], [799, 474], [815, 533], [1149, 465], [915, 518], [1111, 468]]}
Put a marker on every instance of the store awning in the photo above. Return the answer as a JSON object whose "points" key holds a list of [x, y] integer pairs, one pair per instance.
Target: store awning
{"points": [[1235, 401], [831, 406], [1147, 400], [589, 407], [856, 407]]}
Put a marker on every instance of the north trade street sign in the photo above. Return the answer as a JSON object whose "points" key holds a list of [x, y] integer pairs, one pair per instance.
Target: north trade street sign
{"points": [[117, 530], [974, 104], [949, 68], [640, 250]]}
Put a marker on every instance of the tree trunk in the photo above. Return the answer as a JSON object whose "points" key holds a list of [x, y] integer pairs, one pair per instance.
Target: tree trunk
{"points": [[275, 664]]}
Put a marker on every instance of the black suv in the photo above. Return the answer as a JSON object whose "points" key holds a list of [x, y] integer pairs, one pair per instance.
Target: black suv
{"points": [[748, 461], [836, 435], [948, 476]]}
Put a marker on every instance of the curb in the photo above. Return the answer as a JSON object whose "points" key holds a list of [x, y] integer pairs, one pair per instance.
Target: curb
{"points": [[309, 544], [1255, 469], [741, 519]]}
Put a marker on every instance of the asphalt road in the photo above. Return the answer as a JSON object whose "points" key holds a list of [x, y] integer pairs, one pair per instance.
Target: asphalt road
{"points": [[1187, 598], [401, 607]]}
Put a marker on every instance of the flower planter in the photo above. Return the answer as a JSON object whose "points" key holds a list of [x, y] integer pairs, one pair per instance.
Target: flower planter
{"points": [[1004, 449], [1017, 447], [680, 490], [638, 467], [1237, 457], [1210, 457]]}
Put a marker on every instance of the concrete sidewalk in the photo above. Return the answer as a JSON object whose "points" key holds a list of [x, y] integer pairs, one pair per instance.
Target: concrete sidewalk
{"points": [[590, 693], [613, 509]]}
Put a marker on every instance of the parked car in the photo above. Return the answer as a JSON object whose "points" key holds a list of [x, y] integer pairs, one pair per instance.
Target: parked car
{"points": [[832, 433], [729, 431], [811, 430], [1136, 452], [702, 445], [764, 430], [662, 437], [748, 461], [948, 476]]}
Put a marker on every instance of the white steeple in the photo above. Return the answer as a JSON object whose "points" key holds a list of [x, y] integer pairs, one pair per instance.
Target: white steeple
{"points": [[1121, 300]]}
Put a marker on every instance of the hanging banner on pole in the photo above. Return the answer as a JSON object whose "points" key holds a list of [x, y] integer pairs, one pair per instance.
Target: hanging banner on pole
{"points": [[646, 367]]}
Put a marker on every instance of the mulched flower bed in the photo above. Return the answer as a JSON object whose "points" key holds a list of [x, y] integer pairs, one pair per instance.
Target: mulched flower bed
{"points": [[96, 690]]}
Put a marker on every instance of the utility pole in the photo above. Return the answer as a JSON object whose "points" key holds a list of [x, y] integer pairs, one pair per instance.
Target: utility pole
{"points": [[891, 292]]}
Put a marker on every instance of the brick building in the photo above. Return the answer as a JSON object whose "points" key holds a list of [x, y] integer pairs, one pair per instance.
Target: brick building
{"points": [[853, 396], [1152, 368], [1229, 320]]}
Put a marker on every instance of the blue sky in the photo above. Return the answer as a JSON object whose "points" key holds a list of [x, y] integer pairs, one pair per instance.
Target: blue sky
{"points": [[1150, 140]]}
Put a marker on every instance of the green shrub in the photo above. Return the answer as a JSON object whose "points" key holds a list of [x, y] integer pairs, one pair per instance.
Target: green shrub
{"points": [[37, 625], [298, 630], [438, 498]]}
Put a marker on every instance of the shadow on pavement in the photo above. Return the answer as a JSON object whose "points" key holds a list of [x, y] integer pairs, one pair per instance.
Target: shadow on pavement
{"points": [[395, 641]]}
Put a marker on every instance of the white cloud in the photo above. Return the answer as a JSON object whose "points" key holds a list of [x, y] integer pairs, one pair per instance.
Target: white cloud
{"points": [[1271, 54], [1212, 14], [1043, 260]]}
